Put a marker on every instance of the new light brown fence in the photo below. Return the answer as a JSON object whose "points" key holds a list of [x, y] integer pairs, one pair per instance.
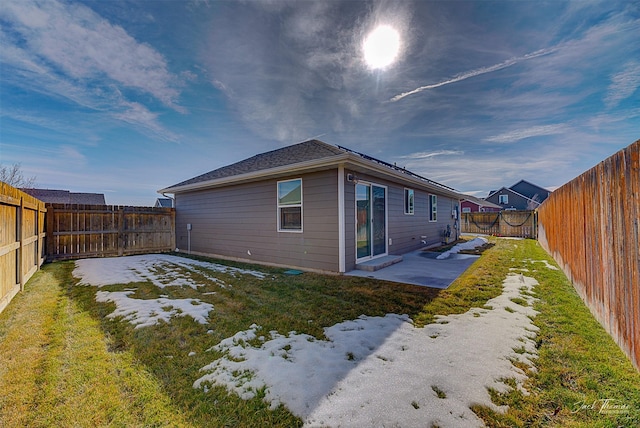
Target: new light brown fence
{"points": [[590, 227], [79, 231], [521, 224], [21, 240]]}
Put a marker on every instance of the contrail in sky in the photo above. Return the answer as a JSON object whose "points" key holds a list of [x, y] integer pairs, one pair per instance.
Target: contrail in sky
{"points": [[477, 72]]}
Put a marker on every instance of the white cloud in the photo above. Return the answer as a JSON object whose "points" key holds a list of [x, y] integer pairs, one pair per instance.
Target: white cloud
{"points": [[521, 134], [477, 72], [68, 52], [73, 40], [426, 155], [138, 115], [623, 84], [72, 155]]}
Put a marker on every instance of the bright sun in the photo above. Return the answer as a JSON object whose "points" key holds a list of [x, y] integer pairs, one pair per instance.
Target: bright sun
{"points": [[381, 46]]}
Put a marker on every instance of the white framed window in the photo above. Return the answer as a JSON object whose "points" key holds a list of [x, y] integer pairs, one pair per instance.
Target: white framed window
{"points": [[433, 208], [503, 199], [290, 205], [466, 210], [409, 201]]}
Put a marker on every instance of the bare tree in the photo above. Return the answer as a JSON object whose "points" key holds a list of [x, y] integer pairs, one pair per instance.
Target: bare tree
{"points": [[12, 175]]}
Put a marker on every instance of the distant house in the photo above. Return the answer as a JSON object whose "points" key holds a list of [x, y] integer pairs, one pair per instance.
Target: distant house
{"points": [[164, 203], [311, 206], [521, 196], [66, 197], [473, 205]]}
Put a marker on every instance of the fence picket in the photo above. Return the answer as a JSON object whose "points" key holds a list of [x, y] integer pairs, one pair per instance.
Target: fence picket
{"points": [[503, 223], [590, 227]]}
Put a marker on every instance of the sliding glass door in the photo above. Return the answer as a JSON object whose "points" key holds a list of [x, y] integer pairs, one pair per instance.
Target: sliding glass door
{"points": [[371, 220]]}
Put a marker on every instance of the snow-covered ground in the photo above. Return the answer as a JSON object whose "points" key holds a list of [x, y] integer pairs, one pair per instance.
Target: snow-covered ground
{"points": [[161, 270], [469, 245], [146, 312], [383, 371], [371, 371]]}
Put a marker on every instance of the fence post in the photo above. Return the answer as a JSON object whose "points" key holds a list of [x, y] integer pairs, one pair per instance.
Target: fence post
{"points": [[49, 231], [20, 223], [173, 229], [121, 238]]}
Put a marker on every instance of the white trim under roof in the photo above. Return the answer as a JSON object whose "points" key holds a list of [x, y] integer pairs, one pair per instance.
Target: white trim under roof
{"points": [[346, 159]]}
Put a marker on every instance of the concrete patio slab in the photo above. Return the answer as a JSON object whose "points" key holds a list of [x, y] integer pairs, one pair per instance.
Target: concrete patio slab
{"points": [[422, 268]]}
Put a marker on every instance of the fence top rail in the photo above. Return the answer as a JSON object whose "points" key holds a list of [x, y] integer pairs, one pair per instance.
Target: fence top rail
{"points": [[108, 208], [10, 195]]}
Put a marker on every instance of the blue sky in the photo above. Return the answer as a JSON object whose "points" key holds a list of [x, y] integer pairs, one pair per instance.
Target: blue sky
{"points": [[127, 97]]}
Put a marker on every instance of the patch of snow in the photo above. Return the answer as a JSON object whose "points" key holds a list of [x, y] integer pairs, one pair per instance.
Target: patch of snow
{"points": [[191, 354], [469, 245], [379, 371], [544, 262], [160, 269], [144, 313]]}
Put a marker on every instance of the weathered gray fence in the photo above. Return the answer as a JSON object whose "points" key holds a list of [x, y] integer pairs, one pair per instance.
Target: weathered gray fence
{"points": [[522, 224], [590, 227], [80, 231]]}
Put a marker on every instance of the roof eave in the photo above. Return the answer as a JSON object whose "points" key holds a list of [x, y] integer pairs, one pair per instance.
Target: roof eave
{"points": [[315, 164], [257, 175], [425, 185]]}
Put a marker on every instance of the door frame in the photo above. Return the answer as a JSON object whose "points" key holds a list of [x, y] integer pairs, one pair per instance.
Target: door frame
{"points": [[370, 186]]}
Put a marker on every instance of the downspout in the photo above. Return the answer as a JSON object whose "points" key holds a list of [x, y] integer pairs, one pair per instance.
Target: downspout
{"points": [[173, 204], [341, 219]]}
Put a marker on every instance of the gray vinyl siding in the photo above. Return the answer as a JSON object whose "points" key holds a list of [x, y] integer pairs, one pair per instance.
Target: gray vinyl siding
{"points": [[407, 231], [404, 230], [516, 201], [240, 222], [350, 225]]}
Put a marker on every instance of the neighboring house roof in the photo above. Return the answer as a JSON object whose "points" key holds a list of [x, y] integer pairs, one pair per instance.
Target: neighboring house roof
{"points": [[51, 196], [530, 190], [481, 202], [526, 190], [508, 190], [307, 156], [164, 203]]}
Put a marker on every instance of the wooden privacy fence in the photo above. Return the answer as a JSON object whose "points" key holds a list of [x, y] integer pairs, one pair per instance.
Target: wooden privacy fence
{"points": [[521, 224], [22, 234], [590, 226], [77, 231]]}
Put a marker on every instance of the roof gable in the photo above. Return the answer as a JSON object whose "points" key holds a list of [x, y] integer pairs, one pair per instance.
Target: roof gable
{"points": [[301, 152], [530, 190], [480, 202], [494, 197], [305, 157]]}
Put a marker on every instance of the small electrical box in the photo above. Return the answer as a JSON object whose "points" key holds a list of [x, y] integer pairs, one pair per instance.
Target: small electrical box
{"points": [[188, 226]]}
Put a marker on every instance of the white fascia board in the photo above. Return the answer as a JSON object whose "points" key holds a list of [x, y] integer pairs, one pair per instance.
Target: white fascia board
{"points": [[257, 175], [348, 159], [407, 178]]}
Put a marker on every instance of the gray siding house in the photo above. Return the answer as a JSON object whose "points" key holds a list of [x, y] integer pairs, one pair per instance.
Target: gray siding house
{"points": [[311, 206], [521, 196]]}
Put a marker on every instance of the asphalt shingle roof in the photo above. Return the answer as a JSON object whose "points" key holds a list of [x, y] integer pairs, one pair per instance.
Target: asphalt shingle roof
{"points": [[301, 152], [51, 196]]}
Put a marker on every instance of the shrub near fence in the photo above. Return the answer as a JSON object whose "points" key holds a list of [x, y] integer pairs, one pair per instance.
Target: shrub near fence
{"points": [[79, 231], [503, 223], [591, 228], [22, 234]]}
